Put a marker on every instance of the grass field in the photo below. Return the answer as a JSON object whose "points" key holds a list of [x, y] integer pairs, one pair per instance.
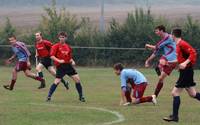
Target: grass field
{"points": [[26, 104]]}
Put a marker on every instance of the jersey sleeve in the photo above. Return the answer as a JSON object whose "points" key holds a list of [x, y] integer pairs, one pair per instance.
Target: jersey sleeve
{"points": [[48, 43], [190, 50], [160, 45], [123, 80], [53, 50]]}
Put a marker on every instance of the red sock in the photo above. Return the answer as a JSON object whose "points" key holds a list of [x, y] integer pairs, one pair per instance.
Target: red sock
{"points": [[39, 78], [128, 96], [145, 99], [12, 84], [158, 88]]}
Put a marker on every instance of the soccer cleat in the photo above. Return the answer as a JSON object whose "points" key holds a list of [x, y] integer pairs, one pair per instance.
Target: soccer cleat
{"points": [[66, 84], [82, 99], [154, 101], [171, 118], [127, 104], [48, 99], [7, 87], [42, 85]]}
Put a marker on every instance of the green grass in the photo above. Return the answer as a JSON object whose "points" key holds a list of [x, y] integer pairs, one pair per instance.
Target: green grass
{"points": [[101, 88]]}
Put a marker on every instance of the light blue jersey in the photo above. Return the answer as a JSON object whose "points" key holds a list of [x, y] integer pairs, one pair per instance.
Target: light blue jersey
{"points": [[168, 47], [20, 51], [133, 74]]}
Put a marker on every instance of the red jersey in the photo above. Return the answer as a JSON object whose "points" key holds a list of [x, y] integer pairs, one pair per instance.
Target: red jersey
{"points": [[43, 48], [186, 51], [62, 52]]}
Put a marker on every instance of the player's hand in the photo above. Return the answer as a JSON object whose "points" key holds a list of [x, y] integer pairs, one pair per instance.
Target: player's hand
{"points": [[147, 64], [61, 61], [73, 63], [147, 46], [8, 61], [182, 66]]}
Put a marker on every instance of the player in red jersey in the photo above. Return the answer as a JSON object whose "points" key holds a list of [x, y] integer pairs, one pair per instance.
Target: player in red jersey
{"points": [[186, 56], [61, 54], [43, 48]]}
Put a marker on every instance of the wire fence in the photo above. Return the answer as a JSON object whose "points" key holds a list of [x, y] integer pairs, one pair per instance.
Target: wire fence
{"points": [[97, 56]]}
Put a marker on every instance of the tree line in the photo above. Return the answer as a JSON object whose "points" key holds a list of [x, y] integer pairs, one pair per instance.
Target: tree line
{"points": [[135, 32]]}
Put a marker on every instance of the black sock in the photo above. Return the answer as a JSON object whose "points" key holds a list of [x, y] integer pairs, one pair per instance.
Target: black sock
{"points": [[40, 74], [79, 89], [63, 81], [197, 96], [52, 89], [176, 105]]}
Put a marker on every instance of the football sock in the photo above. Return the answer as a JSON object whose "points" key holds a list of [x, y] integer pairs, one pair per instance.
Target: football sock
{"points": [[40, 74], [128, 96], [158, 88], [63, 81], [197, 96], [52, 89], [38, 78], [145, 99], [12, 84], [79, 89], [176, 105]]}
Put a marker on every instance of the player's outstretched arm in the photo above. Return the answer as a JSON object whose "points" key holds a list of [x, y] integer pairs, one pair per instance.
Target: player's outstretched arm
{"points": [[149, 46], [8, 61], [149, 60]]}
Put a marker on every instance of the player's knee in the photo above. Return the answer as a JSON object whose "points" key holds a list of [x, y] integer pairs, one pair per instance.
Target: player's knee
{"points": [[192, 95], [38, 69], [174, 93]]}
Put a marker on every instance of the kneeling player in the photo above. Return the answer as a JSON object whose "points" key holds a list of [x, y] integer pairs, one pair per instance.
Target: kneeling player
{"points": [[138, 84]]}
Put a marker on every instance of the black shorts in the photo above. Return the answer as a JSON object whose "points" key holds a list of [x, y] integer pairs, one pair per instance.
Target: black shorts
{"points": [[65, 69], [185, 78], [46, 62]]}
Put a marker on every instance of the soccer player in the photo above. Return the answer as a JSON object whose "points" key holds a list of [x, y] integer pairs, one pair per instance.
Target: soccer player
{"points": [[168, 59], [43, 48], [61, 54], [138, 83], [22, 54], [186, 56]]}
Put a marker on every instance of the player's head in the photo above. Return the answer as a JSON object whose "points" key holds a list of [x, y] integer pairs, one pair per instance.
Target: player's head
{"points": [[38, 36], [159, 30], [12, 39], [176, 33], [62, 36], [118, 67]]}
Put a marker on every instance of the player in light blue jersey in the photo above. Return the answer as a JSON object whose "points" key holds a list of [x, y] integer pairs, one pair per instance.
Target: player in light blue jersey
{"points": [[138, 83], [22, 54], [168, 59]]}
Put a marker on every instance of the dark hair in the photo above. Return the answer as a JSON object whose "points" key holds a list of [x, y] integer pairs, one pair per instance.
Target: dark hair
{"points": [[39, 33], [177, 32], [161, 27], [118, 66], [62, 34], [11, 36]]}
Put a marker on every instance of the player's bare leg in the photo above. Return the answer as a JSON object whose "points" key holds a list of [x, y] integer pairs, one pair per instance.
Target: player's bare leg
{"points": [[28, 73], [52, 70], [193, 93], [13, 81]]}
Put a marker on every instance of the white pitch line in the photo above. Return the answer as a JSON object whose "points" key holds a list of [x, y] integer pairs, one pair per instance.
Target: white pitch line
{"points": [[120, 117]]}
